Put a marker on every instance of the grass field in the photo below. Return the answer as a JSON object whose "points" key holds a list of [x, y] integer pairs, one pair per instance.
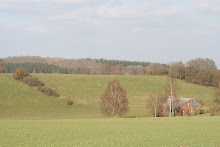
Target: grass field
{"points": [[180, 131], [19, 101], [30, 118]]}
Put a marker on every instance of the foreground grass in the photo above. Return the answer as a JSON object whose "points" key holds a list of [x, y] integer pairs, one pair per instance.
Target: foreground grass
{"points": [[180, 131], [19, 101]]}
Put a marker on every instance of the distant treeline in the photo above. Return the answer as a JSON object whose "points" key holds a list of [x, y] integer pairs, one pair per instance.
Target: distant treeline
{"points": [[35, 68], [91, 66], [127, 63], [198, 71]]}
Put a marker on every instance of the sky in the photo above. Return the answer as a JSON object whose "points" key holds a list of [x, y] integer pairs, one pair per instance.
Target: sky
{"points": [[160, 31]]}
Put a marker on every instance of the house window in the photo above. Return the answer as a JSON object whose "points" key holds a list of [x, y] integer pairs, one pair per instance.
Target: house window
{"points": [[188, 105], [183, 111]]}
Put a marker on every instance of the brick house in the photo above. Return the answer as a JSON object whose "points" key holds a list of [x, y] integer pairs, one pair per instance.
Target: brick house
{"points": [[183, 107]]}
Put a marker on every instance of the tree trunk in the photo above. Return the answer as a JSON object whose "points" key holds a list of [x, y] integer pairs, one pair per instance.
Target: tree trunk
{"points": [[171, 100], [155, 112], [170, 108]]}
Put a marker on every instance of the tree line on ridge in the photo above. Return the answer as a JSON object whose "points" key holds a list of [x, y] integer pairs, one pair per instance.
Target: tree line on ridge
{"points": [[198, 71]]}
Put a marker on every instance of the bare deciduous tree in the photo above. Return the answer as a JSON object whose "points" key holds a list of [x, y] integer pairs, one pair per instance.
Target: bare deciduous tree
{"points": [[171, 90], [106, 68], [204, 77], [2, 68], [114, 101], [200, 63], [216, 79], [217, 96], [118, 69], [215, 107], [177, 70], [152, 69], [154, 102]]}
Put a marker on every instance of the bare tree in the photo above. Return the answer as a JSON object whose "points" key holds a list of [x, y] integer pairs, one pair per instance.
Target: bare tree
{"points": [[2, 68], [106, 68], [152, 69], [114, 101], [171, 90], [204, 77], [201, 63], [217, 96], [154, 102], [118, 69], [177, 70], [216, 79], [215, 107]]}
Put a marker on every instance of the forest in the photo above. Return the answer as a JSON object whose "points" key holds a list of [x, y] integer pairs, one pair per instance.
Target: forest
{"points": [[198, 71], [35, 68]]}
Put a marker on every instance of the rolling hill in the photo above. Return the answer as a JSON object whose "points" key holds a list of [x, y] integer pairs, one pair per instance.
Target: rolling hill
{"points": [[19, 101]]}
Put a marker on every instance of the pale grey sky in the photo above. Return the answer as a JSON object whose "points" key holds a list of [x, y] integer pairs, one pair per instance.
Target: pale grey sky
{"points": [[143, 30]]}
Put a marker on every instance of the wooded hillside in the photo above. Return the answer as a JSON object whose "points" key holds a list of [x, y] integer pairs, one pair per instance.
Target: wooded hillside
{"points": [[88, 66], [198, 71]]}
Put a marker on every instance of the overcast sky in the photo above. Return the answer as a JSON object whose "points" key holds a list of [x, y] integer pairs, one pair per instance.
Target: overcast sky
{"points": [[144, 30]]}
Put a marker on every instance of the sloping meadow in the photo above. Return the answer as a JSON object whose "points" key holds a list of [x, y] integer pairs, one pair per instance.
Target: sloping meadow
{"points": [[19, 101]]}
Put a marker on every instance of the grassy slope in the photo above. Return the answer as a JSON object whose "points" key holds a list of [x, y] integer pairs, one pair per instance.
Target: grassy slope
{"points": [[180, 131], [18, 101]]}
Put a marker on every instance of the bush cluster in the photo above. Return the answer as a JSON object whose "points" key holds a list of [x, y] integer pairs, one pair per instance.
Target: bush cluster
{"points": [[32, 81], [48, 91], [25, 77], [214, 110], [20, 73], [69, 102], [200, 111]]}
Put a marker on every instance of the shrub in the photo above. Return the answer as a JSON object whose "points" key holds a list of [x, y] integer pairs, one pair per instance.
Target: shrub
{"points": [[32, 81], [200, 111], [160, 111], [69, 102], [214, 110], [20, 73], [48, 91], [2, 69]]}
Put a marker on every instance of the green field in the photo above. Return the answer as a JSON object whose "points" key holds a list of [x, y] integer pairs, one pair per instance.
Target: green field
{"points": [[30, 118], [180, 131], [19, 101]]}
